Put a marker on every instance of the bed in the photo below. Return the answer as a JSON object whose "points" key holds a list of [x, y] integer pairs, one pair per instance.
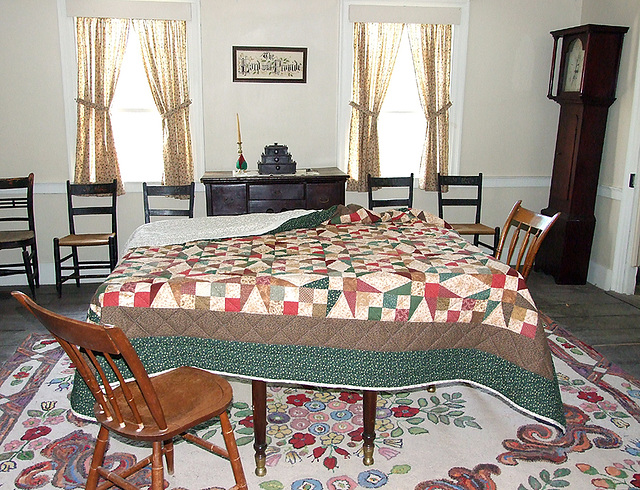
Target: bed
{"points": [[343, 298]]}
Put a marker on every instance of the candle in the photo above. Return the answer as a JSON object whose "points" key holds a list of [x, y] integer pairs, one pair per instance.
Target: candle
{"points": [[238, 121]]}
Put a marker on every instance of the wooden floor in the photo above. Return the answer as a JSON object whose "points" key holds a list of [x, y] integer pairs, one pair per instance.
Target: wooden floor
{"points": [[609, 322]]}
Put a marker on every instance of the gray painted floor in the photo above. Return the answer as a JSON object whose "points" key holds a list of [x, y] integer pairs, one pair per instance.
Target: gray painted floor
{"points": [[609, 322]]}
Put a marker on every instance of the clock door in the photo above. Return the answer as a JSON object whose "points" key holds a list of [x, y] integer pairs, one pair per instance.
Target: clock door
{"points": [[567, 142], [573, 68]]}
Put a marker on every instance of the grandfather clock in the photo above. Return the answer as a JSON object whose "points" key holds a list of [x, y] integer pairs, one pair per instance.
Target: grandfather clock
{"points": [[584, 84]]}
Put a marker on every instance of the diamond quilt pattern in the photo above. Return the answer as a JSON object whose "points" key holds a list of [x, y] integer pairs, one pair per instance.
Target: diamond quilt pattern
{"points": [[402, 267]]}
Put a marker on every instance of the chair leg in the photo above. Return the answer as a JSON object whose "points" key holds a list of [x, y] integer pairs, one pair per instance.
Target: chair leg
{"points": [[232, 449], [113, 253], [76, 265], [35, 266], [58, 265], [157, 474], [496, 240], [168, 455], [98, 458], [29, 271]]}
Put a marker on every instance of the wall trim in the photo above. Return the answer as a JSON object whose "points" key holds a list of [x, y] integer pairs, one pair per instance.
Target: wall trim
{"points": [[609, 192]]}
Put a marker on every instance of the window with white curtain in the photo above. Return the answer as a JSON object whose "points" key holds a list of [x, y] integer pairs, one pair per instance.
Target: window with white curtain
{"points": [[135, 119], [136, 123], [401, 122]]}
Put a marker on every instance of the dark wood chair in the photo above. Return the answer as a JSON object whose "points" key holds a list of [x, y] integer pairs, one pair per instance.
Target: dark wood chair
{"points": [[19, 229], [527, 229], [386, 182], [476, 228], [178, 192], [153, 409], [87, 200]]}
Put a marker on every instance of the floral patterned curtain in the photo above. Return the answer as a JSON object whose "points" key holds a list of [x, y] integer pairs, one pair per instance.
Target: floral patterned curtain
{"points": [[431, 51], [164, 51], [101, 44], [375, 48]]}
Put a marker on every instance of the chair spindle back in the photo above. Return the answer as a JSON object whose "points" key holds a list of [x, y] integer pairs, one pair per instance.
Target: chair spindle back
{"points": [[528, 229], [85, 344]]}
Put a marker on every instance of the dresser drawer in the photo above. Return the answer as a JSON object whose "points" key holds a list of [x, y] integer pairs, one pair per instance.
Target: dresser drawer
{"points": [[324, 195], [228, 199], [273, 192], [275, 205]]}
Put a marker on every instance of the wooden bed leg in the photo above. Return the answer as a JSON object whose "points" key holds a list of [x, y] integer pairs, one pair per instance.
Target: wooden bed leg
{"points": [[259, 399], [369, 425]]}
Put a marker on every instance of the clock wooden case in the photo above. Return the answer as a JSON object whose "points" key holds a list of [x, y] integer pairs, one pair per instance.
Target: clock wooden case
{"points": [[584, 84]]}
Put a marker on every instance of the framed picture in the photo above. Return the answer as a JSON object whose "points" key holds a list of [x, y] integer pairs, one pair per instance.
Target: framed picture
{"points": [[269, 64]]}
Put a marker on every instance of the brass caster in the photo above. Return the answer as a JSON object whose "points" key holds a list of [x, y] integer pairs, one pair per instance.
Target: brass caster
{"points": [[261, 469], [367, 455], [431, 389]]}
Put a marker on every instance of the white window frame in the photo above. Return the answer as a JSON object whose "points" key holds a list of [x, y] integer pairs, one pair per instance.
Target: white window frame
{"points": [[188, 10], [405, 12]]}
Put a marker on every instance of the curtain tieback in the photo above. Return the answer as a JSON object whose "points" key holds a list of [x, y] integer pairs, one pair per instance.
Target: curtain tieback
{"points": [[175, 110], [92, 105], [364, 109], [432, 115]]}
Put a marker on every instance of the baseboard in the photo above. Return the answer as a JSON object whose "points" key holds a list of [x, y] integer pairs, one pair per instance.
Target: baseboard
{"points": [[600, 276]]}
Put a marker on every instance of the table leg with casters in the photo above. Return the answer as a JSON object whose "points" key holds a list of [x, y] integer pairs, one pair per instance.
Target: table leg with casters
{"points": [[259, 399], [369, 425]]}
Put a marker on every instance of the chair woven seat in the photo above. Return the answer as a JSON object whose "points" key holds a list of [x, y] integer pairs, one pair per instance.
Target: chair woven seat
{"points": [[86, 239], [11, 236]]}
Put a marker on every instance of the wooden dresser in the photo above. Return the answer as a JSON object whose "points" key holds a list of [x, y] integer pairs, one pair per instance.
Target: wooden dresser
{"points": [[229, 194]]}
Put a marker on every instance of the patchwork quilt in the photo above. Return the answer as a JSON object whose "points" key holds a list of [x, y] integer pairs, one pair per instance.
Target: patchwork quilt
{"points": [[392, 301]]}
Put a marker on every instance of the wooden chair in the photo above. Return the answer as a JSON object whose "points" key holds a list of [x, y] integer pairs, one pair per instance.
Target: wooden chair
{"points": [[16, 205], [385, 182], [174, 191], [476, 228], [528, 229], [153, 409], [74, 240]]}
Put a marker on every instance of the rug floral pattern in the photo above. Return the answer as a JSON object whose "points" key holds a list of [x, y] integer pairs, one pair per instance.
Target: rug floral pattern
{"points": [[457, 438]]}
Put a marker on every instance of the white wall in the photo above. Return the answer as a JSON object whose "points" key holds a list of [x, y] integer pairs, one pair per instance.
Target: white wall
{"points": [[614, 223], [508, 131]]}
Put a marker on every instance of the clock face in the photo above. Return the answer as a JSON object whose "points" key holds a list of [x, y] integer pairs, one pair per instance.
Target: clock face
{"points": [[573, 67]]}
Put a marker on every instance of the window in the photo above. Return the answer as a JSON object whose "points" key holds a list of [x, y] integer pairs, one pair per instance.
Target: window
{"points": [[401, 123], [136, 123], [128, 104]]}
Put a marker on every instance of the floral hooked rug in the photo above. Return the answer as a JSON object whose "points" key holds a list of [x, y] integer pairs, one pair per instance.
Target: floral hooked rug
{"points": [[458, 438]]}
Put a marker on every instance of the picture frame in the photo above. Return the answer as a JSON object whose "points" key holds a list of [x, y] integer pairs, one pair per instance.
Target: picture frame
{"points": [[269, 64]]}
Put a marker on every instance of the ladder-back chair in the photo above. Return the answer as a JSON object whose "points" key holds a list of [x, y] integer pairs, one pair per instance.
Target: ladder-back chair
{"points": [[386, 182], [476, 228], [527, 229], [97, 193], [178, 192], [18, 228], [146, 408]]}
